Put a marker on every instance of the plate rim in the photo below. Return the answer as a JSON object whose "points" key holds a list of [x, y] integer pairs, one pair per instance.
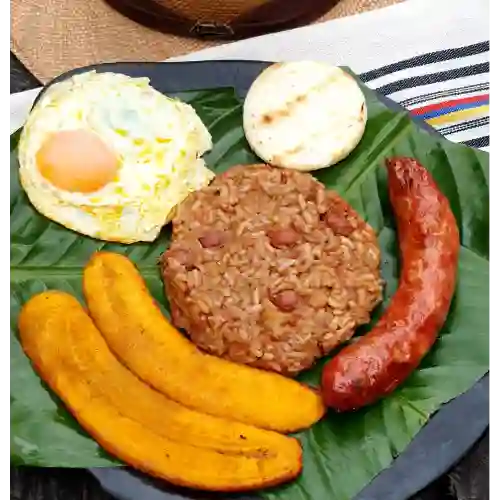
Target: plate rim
{"points": [[118, 481]]}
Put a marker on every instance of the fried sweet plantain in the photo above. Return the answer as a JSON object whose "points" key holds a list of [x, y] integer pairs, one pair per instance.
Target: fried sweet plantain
{"points": [[143, 339], [137, 424]]}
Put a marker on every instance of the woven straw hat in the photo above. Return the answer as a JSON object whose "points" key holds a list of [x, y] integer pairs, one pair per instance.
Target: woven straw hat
{"points": [[54, 36]]}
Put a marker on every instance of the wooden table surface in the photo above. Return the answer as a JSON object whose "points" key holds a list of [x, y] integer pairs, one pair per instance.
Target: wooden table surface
{"points": [[469, 480]]}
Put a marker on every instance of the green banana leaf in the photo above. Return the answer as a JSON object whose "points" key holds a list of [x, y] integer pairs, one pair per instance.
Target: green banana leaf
{"points": [[342, 453]]}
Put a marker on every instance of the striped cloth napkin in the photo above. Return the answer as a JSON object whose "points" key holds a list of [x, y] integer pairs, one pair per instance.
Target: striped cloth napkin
{"points": [[449, 89], [431, 56]]}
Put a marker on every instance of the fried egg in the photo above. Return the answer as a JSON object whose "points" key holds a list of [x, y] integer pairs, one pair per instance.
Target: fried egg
{"points": [[110, 157], [304, 115]]}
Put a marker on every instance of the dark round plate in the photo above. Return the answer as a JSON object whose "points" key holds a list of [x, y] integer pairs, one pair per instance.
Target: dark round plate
{"points": [[448, 435]]}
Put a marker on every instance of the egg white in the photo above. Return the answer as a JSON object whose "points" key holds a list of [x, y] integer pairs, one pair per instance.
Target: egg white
{"points": [[304, 115], [159, 142]]}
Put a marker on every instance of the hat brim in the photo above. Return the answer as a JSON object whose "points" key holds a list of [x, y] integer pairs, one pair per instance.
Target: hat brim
{"points": [[51, 37]]}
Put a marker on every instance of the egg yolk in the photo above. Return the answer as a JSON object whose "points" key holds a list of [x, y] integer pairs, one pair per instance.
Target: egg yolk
{"points": [[77, 161]]}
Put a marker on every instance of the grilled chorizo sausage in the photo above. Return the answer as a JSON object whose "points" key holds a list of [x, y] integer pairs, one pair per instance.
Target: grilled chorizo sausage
{"points": [[429, 243]]}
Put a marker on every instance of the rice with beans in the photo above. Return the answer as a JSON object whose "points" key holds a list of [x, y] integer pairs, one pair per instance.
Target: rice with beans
{"points": [[270, 269]]}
